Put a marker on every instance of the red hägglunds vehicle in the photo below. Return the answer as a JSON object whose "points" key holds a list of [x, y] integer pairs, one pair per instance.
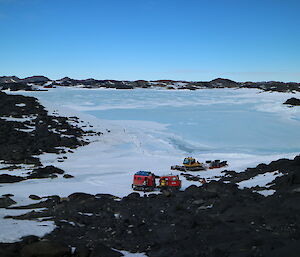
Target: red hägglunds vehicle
{"points": [[144, 181], [170, 182]]}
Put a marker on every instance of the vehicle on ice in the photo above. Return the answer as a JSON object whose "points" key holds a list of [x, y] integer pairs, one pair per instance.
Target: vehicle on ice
{"points": [[170, 182], [216, 164], [146, 181], [191, 164]]}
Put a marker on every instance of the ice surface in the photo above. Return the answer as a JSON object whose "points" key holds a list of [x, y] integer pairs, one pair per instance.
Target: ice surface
{"points": [[148, 129], [215, 120]]}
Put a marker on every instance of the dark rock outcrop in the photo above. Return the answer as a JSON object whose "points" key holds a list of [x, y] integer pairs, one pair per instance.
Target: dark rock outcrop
{"points": [[8, 79], [6, 178], [35, 79], [293, 101], [20, 140], [68, 176], [34, 197], [15, 86], [24, 84], [45, 172], [6, 202], [45, 249]]}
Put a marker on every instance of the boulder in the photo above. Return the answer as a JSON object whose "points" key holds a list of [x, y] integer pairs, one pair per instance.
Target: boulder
{"points": [[293, 101], [68, 176], [45, 249], [5, 178], [35, 197], [133, 195], [45, 172], [103, 251], [8, 195], [6, 202], [82, 251], [80, 196]]}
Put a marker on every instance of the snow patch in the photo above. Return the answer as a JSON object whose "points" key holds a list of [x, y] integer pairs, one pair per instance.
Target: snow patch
{"points": [[21, 105], [12, 230], [261, 180]]}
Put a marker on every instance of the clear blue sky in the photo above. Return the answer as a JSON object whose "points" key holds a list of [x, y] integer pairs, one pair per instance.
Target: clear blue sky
{"points": [[151, 39]]}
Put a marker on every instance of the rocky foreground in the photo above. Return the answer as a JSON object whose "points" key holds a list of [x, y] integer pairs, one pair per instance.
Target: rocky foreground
{"points": [[216, 219], [36, 82]]}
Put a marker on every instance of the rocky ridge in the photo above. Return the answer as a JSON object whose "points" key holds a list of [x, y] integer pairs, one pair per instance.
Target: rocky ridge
{"points": [[15, 83]]}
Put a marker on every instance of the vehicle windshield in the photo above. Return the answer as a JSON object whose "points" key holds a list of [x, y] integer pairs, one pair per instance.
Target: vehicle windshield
{"points": [[186, 161]]}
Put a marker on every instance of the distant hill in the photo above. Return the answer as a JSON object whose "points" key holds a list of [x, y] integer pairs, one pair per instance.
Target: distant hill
{"points": [[168, 84]]}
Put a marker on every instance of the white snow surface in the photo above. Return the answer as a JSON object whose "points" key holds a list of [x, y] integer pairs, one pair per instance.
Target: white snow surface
{"points": [[260, 180], [129, 254], [23, 119], [12, 230], [147, 129]]}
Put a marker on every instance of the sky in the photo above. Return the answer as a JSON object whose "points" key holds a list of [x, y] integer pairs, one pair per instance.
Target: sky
{"points": [[243, 40]]}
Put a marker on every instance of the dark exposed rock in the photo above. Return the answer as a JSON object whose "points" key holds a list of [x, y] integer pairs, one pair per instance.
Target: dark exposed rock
{"points": [[8, 79], [45, 249], [289, 168], [30, 239], [35, 197], [5, 178], [293, 101], [101, 250], [80, 196], [35, 79], [23, 141], [82, 251], [24, 84], [8, 195], [45, 172], [133, 195], [6, 202], [68, 176], [15, 86], [226, 83]]}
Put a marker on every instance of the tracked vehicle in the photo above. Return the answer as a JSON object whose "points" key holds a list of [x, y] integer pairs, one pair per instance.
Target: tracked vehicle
{"points": [[191, 164]]}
